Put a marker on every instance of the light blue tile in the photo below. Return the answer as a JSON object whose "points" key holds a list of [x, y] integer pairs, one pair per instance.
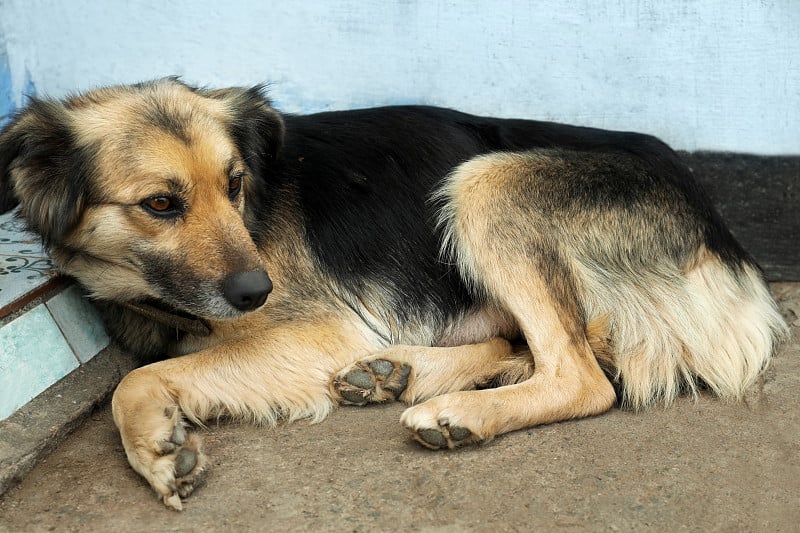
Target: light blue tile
{"points": [[79, 322], [24, 266], [33, 356]]}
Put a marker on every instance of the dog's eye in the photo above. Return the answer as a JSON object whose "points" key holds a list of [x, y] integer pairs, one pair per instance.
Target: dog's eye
{"points": [[162, 206], [234, 186]]}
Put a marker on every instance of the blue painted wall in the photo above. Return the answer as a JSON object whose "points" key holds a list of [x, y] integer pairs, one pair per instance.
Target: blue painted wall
{"points": [[705, 74], [7, 100]]}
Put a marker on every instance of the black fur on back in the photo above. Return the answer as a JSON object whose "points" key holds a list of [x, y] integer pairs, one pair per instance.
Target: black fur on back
{"points": [[364, 178]]}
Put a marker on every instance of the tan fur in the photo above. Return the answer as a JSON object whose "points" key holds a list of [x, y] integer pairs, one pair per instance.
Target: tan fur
{"points": [[260, 374], [439, 370], [317, 342], [567, 381], [128, 146], [659, 335]]}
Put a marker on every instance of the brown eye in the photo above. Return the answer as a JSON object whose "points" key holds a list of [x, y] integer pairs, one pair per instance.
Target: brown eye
{"points": [[163, 206], [234, 186], [160, 203]]}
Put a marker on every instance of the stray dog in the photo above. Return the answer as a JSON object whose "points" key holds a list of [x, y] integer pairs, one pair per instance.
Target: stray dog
{"points": [[403, 250]]}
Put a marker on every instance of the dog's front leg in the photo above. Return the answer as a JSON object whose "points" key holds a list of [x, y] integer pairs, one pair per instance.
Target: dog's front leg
{"points": [[155, 437], [271, 374]]}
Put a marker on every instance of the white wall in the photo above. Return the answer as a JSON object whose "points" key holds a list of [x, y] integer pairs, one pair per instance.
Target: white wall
{"points": [[705, 74]]}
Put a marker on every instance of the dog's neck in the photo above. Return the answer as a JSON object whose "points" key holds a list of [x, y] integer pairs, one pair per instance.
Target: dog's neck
{"points": [[180, 321]]}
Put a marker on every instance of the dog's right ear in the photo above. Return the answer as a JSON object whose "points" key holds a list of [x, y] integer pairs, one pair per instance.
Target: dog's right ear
{"points": [[41, 169]]}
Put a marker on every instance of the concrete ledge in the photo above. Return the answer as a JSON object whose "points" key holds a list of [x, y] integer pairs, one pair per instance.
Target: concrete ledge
{"points": [[36, 429]]}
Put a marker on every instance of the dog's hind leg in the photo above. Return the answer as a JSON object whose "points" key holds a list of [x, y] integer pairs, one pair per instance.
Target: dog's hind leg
{"points": [[567, 381], [507, 249], [415, 373]]}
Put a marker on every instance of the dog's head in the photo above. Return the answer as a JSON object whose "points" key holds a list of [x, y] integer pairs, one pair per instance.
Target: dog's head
{"points": [[140, 191]]}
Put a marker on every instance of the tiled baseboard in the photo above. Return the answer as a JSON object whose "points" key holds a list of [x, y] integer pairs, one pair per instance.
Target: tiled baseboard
{"points": [[25, 269], [43, 423], [47, 328], [56, 364], [44, 344]]}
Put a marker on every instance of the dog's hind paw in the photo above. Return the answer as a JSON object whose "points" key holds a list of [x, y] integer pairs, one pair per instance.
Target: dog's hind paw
{"points": [[438, 427], [371, 381]]}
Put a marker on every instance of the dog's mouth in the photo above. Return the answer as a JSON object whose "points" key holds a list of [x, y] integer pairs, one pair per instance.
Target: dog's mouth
{"points": [[190, 311], [167, 315]]}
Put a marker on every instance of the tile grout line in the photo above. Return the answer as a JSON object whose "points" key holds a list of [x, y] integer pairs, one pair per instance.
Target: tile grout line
{"points": [[25, 298], [63, 334]]}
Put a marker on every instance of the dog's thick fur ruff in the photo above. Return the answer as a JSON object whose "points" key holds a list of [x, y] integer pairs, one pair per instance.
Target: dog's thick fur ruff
{"points": [[407, 246]]}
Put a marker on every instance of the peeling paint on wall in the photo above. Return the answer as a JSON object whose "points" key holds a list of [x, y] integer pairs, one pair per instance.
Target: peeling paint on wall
{"points": [[10, 101], [7, 106]]}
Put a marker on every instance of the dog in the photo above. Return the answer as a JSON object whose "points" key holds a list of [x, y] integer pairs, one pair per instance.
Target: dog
{"points": [[496, 274]]}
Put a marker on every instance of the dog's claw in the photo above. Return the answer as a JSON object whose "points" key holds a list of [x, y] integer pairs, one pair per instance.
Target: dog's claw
{"points": [[354, 397], [173, 501], [375, 381]]}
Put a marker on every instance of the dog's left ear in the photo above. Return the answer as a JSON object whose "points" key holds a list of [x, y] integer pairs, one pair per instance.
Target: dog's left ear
{"points": [[41, 169], [256, 127]]}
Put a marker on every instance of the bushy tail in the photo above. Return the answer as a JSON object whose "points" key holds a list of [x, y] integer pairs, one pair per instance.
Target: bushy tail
{"points": [[672, 331]]}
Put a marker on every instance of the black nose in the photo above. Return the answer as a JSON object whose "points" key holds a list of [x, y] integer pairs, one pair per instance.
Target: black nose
{"points": [[247, 290]]}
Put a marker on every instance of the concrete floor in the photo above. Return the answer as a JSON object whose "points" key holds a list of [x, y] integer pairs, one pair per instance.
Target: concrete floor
{"points": [[697, 466]]}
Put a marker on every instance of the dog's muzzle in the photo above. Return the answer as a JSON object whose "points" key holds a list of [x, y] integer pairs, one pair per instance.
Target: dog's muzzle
{"points": [[247, 291]]}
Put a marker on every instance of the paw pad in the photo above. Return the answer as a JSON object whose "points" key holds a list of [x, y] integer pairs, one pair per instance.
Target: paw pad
{"points": [[442, 437], [433, 437], [374, 381], [382, 367], [360, 378], [185, 461]]}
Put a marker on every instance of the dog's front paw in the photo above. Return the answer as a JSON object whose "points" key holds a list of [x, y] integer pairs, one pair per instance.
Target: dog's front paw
{"points": [[171, 459], [371, 381], [442, 423], [183, 452]]}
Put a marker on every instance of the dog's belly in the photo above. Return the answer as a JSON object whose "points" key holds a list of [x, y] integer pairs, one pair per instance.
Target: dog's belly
{"points": [[478, 325]]}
